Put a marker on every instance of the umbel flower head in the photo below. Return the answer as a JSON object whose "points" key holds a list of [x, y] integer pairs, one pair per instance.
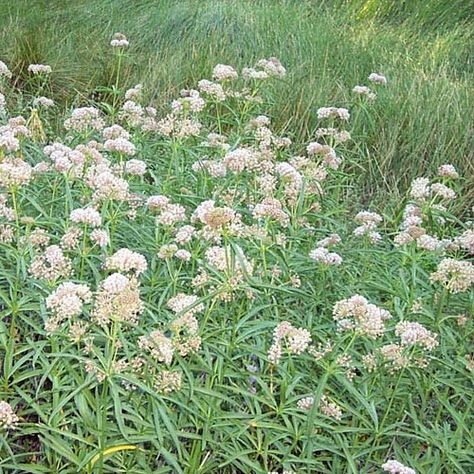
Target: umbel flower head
{"points": [[118, 298], [285, 335], [119, 40], [457, 276], [357, 314], [65, 302], [8, 418]]}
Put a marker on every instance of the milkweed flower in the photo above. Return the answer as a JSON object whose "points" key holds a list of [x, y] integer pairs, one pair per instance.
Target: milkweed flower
{"points": [[448, 171], [52, 264], [158, 345], [333, 112], [120, 145], [43, 102], [420, 189], [364, 91], [65, 302], [126, 260], [396, 467], [2, 104], [4, 71], [135, 167], [88, 216], [8, 418], [223, 72], [8, 141], [413, 333], [285, 335], [465, 240], [370, 222], [83, 119], [134, 93], [322, 255], [14, 171], [100, 237], [186, 304], [39, 69], [357, 314], [456, 276], [377, 78], [118, 298], [119, 40], [272, 66]]}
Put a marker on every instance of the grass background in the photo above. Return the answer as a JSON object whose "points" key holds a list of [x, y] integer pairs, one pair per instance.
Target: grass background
{"points": [[425, 48]]}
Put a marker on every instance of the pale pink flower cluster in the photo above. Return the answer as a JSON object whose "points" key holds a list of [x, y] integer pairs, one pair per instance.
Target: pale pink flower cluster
{"points": [[39, 69], [324, 256], [190, 100], [215, 168], [115, 131], [333, 112], [271, 208], [377, 78], [364, 91], [120, 145], [213, 90], [119, 40], [214, 218], [240, 159], [448, 171], [184, 234], [357, 314], [88, 216], [396, 467], [107, 185], [340, 136], [100, 237], [285, 335], [168, 214], [369, 222], [66, 159], [83, 119], [413, 333], [327, 407], [330, 159], [125, 260], [65, 302], [14, 172], [186, 304], [51, 265], [236, 265], [455, 275], [134, 93], [158, 345], [43, 102], [135, 167], [3, 103], [420, 189], [118, 298], [333, 239], [4, 71], [8, 418], [223, 72], [272, 66], [291, 177], [465, 240]]}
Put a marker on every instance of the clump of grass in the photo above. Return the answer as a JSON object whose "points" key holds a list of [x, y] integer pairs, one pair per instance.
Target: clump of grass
{"points": [[328, 47]]}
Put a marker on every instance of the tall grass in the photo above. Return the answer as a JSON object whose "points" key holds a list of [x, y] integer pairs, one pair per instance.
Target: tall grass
{"points": [[327, 46]]}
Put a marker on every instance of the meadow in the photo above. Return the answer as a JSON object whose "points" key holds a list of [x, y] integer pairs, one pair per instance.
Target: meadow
{"points": [[236, 237]]}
